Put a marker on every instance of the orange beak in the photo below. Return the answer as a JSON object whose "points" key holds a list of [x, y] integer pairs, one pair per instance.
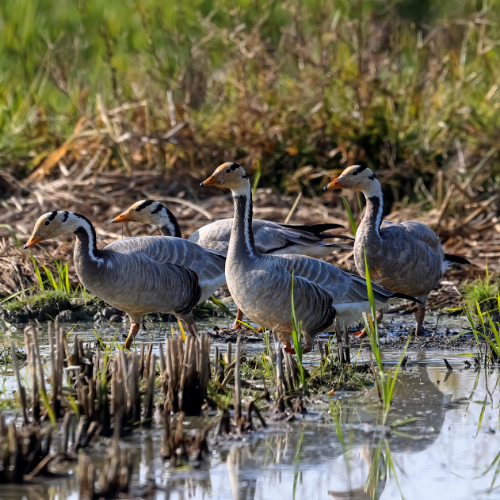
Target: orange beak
{"points": [[33, 241], [123, 217], [211, 181], [335, 184]]}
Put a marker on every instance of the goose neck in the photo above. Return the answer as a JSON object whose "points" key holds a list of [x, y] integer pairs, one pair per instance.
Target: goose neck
{"points": [[167, 221], [242, 238], [374, 210], [86, 245]]}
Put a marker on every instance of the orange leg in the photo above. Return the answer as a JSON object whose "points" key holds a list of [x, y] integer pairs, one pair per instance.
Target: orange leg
{"points": [[419, 316], [288, 348], [362, 333], [134, 329], [239, 316]]}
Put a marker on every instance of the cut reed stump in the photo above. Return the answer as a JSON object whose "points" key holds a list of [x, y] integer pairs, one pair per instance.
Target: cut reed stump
{"points": [[186, 375], [242, 422], [24, 452], [179, 448], [114, 478]]}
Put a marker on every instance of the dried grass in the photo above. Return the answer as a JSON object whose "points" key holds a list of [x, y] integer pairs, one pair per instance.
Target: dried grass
{"points": [[102, 196]]}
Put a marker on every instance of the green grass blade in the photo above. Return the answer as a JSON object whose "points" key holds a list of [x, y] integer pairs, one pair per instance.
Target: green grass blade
{"points": [[297, 340], [350, 216], [10, 297], [74, 406], [50, 277], [67, 285], [37, 272], [222, 307]]}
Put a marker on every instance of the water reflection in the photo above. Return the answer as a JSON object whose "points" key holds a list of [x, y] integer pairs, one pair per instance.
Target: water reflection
{"points": [[240, 458], [440, 455]]}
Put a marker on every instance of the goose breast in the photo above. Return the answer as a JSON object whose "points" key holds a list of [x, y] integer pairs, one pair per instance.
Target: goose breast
{"points": [[263, 291], [135, 283], [408, 258]]}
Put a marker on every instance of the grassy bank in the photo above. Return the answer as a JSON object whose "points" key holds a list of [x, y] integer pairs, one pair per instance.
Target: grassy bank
{"points": [[296, 88]]}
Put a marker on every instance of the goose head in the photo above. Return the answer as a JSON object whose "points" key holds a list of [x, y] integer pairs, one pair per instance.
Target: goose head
{"points": [[144, 211], [231, 176], [53, 224], [357, 178]]}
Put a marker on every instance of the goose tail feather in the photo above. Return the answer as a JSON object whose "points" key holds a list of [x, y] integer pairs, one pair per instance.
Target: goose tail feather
{"points": [[399, 295], [456, 259], [313, 228]]}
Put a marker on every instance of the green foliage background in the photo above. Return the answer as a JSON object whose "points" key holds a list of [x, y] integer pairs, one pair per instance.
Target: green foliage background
{"points": [[410, 87]]}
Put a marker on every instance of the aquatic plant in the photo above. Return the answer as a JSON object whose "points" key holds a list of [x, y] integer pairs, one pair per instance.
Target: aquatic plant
{"points": [[350, 216], [386, 380], [297, 341], [488, 330], [482, 291]]}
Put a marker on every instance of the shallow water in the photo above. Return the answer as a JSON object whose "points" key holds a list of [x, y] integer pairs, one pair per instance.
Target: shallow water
{"points": [[447, 453]]}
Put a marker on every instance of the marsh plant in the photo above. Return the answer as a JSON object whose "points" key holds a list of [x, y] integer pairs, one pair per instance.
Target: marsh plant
{"points": [[375, 452], [488, 329], [297, 342], [385, 379], [482, 291]]}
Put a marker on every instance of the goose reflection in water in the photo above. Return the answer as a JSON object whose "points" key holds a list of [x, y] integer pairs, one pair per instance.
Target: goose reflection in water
{"points": [[317, 446], [418, 395], [373, 467]]}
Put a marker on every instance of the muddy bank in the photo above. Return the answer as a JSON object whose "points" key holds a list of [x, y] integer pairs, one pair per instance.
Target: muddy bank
{"points": [[90, 309]]}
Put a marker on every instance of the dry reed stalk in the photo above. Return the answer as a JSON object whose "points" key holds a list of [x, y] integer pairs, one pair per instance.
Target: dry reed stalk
{"points": [[24, 452], [280, 381], [20, 388], [338, 335], [188, 372], [289, 371], [115, 476], [347, 347], [150, 390], [180, 448], [148, 363], [237, 384], [163, 371]]}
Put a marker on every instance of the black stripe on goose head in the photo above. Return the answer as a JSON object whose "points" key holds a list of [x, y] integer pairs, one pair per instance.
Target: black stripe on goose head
{"points": [[231, 166], [157, 209], [358, 170], [172, 227], [50, 218], [82, 231], [144, 204]]}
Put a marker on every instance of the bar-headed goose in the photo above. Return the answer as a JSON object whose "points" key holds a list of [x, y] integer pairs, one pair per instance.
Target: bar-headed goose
{"points": [[138, 275], [261, 285], [405, 257], [270, 237]]}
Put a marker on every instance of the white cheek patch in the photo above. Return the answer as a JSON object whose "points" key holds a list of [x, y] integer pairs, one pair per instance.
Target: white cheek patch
{"points": [[74, 222], [241, 190]]}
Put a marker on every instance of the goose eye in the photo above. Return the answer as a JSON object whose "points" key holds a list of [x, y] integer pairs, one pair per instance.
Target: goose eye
{"points": [[47, 222], [228, 171]]}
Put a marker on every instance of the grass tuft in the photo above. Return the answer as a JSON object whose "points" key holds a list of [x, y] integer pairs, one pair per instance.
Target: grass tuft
{"points": [[482, 291]]}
